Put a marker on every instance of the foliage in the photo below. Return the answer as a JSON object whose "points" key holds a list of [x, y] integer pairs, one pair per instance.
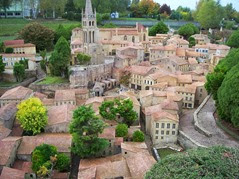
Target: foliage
{"points": [[192, 42], [2, 65], [121, 130], [43, 62], [5, 4], [61, 31], [233, 40], [209, 14], [43, 172], [228, 97], [175, 15], [39, 35], [60, 58], [83, 59], [41, 155], [125, 78], [213, 162], [123, 108], [144, 8], [32, 115], [19, 71], [159, 28], [85, 128], [214, 79], [138, 136], [62, 163], [52, 8], [53, 80], [1, 47], [70, 6], [9, 50], [109, 25], [24, 62], [165, 9], [188, 30]]}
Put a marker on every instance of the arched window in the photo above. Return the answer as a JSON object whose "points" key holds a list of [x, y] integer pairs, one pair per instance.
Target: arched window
{"points": [[125, 37], [90, 37], [93, 33], [133, 39], [89, 23], [93, 23]]}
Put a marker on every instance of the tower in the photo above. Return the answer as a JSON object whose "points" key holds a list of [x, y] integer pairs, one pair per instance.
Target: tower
{"points": [[90, 30]]}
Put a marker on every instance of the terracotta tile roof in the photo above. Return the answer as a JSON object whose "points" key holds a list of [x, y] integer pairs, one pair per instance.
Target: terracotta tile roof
{"points": [[164, 115], [17, 55], [19, 93], [213, 46], [60, 114], [173, 96], [139, 164], [160, 93], [187, 89], [181, 52], [160, 85], [178, 60], [151, 109], [13, 42], [76, 42], [185, 79], [140, 70], [118, 141], [65, 95], [170, 47], [10, 173], [81, 91], [192, 61], [8, 111], [199, 83], [94, 100], [4, 132], [144, 93], [108, 133], [41, 96], [7, 145], [61, 141], [168, 104], [48, 102], [89, 173], [199, 78], [21, 45], [135, 147], [193, 54]]}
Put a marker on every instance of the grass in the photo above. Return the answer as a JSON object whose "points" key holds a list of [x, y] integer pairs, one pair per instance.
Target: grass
{"points": [[165, 152], [8, 84], [9, 28], [49, 80]]}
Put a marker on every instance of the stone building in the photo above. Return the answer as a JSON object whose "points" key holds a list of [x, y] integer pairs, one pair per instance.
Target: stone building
{"points": [[15, 95]]}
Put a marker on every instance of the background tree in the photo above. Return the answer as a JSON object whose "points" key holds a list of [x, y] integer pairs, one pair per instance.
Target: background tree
{"points": [[83, 59], [60, 58], [188, 30], [1, 47], [19, 71], [2, 65], [138, 136], [121, 130], [165, 9], [192, 42], [159, 28], [5, 4], [24, 62], [233, 40], [39, 35], [9, 50], [61, 31], [32, 115], [213, 162], [44, 62], [108, 110], [85, 128]]}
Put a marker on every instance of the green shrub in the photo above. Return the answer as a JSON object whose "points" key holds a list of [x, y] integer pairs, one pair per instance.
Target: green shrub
{"points": [[121, 130], [9, 50], [41, 155], [138, 136], [213, 162], [63, 163]]}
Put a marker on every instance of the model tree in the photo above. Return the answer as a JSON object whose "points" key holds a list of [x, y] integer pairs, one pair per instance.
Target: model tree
{"points": [[188, 30], [233, 40], [121, 130], [85, 128], [83, 59], [159, 28], [2, 65], [60, 58], [39, 35], [19, 71], [32, 115], [138, 136], [192, 42]]}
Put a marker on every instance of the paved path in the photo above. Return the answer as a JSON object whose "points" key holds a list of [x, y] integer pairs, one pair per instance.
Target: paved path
{"points": [[206, 119]]}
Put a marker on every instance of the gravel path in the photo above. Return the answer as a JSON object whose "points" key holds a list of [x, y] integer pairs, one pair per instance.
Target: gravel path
{"points": [[219, 137]]}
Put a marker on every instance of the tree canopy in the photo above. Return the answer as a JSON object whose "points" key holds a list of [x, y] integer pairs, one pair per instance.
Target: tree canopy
{"points": [[85, 128], [188, 30], [83, 59], [138, 136], [19, 71], [5, 4], [159, 28], [2, 65], [60, 58], [32, 115], [213, 162], [233, 40], [39, 35], [121, 130]]}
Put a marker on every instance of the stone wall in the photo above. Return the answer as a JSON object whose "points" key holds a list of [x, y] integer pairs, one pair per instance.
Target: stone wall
{"points": [[187, 142], [199, 128]]}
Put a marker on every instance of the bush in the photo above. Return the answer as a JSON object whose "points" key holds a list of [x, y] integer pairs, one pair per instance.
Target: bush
{"points": [[41, 155], [138, 136], [19, 71], [9, 50], [63, 163], [213, 162], [121, 130], [105, 16], [233, 40], [159, 28]]}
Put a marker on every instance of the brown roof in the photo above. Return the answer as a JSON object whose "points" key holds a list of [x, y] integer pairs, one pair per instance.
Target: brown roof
{"points": [[60, 114], [13, 42], [108, 133], [7, 145], [61, 141], [192, 61], [65, 95], [10, 173], [4, 132], [135, 147], [181, 52], [39, 95], [89, 173], [144, 93], [19, 93], [169, 105], [185, 79], [163, 115], [22, 45], [8, 111], [140, 70], [94, 100], [17, 55], [187, 89], [48, 102]]}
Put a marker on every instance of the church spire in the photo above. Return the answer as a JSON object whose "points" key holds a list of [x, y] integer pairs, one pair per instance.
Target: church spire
{"points": [[88, 8]]}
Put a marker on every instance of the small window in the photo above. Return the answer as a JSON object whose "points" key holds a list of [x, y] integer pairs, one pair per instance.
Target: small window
{"points": [[162, 132], [156, 137], [168, 125], [174, 126], [162, 137], [167, 132], [173, 132], [125, 152], [157, 131], [157, 125], [162, 125]]}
